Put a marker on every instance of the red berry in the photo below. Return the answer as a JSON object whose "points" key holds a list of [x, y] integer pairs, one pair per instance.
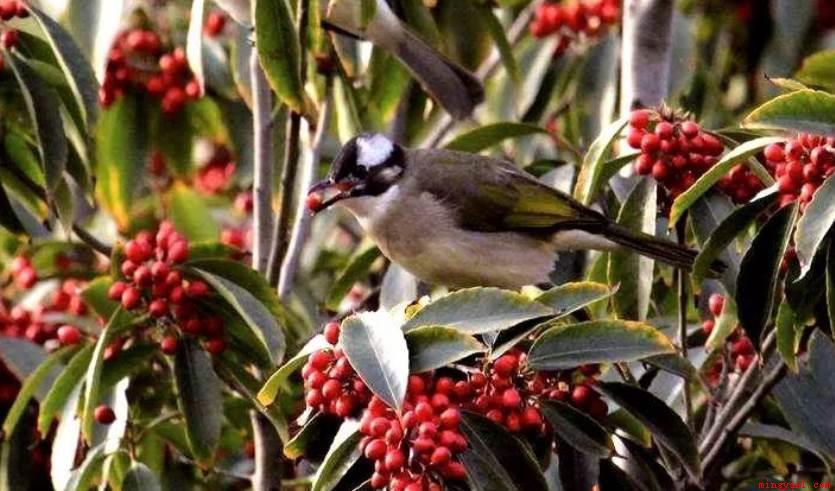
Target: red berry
{"points": [[314, 398], [639, 118], [104, 414], [158, 307], [394, 459], [215, 346], [690, 129], [707, 326], [531, 417], [332, 332], [423, 445], [313, 201], [345, 406], [26, 278], [178, 252], [130, 298], [511, 399], [650, 142], [8, 9], [138, 252], [379, 426], [440, 456], [506, 365], [660, 171], [378, 481], [332, 389], [424, 412], [450, 418], [214, 27], [68, 335], [9, 38], [774, 153], [375, 450], [716, 303], [197, 289], [168, 345], [598, 409], [664, 130], [581, 396], [116, 290], [634, 137]]}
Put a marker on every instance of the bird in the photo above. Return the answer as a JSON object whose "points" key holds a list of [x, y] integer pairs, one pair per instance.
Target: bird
{"points": [[462, 220]]}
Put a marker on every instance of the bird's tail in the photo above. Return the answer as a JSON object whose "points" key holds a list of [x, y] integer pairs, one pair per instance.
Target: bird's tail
{"points": [[662, 250]]}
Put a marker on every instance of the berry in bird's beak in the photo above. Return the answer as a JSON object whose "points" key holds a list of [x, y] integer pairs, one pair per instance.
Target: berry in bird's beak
{"points": [[313, 201]]}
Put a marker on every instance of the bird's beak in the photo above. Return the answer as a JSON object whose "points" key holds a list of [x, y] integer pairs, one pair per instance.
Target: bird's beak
{"points": [[317, 194]]}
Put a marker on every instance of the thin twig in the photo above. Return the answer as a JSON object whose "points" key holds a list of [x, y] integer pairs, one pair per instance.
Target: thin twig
{"points": [[92, 241], [301, 227], [488, 67], [263, 166], [681, 277], [769, 381]]}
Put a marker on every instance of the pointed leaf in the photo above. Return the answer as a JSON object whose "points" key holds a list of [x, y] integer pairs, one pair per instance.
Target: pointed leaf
{"points": [[377, 350], [577, 470], [60, 391], [606, 341], [570, 297], [83, 476], [191, 215], [278, 50], [38, 381], [760, 270], [478, 310], [804, 111], [269, 391], [814, 224], [343, 454], [317, 430], [41, 102], [740, 154], [818, 70], [496, 460], [140, 478], [580, 430], [486, 136], [499, 35], [664, 424], [432, 347], [787, 335], [590, 179], [726, 232], [357, 268], [199, 398], [77, 69], [633, 272]]}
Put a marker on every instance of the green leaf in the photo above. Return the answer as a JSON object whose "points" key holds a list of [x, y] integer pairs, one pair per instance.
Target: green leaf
{"points": [[742, 153], [63, 386], [605, 341], [486, 136], [121, 153], [724, 234], [577, 428], [23, 157], [278, 50], [633, 272], [675, 364], [589, 181], [265, 334], [83, 476], [38, 381], [499, 35], [199, 398], [140, 478], [787, 335], [128, 362], [760, 270], [432, 347], [194, 42], [356, 269], [496, 460], [119, 322], [478, 310], [77, 69], [570, 297], [814, 225], [95, 295], [342, 455], [378, 352], [269, 391], [41, 102], [317, 430], [664, 424], [804, 111], [191, 215], [818, 70]]}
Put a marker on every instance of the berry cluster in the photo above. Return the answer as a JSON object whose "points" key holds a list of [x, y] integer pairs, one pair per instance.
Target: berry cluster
{"points": [[153, 281], [509, 394], [138, 62], [215, 23], [331, 384], [35, 326], [23, 272], [674, 151], [215, 175], [574, 20], [800, 166], [9, 9], [417, 450], [741, 348]]}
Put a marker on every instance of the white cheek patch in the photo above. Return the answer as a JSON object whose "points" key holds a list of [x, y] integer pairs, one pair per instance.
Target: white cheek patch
{"points": [[373, 150]]}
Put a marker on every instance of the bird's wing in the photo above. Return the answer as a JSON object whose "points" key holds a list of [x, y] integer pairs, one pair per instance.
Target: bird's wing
{"points": [[492, 195]]}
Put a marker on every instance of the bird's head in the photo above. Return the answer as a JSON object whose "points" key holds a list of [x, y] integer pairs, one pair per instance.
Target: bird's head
{"points": [[368, 165]]}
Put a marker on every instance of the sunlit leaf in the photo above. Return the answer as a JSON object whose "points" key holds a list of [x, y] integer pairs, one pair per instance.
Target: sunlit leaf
{"points": [[589, 180], [806, 111], [432, 347]]}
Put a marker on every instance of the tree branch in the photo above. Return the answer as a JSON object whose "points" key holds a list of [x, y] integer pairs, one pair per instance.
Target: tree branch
{"points": [[645, 53], [263, 165], [289, 170], [301, 227]]}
